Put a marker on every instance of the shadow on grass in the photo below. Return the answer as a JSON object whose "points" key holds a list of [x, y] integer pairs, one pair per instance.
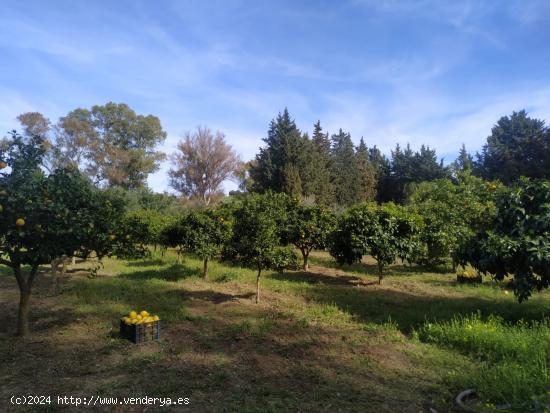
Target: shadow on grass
{"points": [[216, 297], [311, 277], [110, 297], [247, 359], [40, 319], [173, 273], [372, 269], [148, 262], [410, 311]]}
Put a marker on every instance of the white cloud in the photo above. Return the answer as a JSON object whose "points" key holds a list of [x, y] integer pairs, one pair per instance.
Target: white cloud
{"points": [[417, 117]]}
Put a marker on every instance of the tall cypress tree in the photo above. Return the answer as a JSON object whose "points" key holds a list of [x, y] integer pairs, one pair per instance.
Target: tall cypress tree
{"points": [[381, 165], [426, 167], [324, 189], [464, 162], [345, 174], [367, 174], [285, 164]]}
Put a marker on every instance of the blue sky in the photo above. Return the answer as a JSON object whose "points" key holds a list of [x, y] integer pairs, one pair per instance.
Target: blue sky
{"points": [[424, 71]]}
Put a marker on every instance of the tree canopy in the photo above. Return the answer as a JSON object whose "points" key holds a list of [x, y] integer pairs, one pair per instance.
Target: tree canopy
{"points": [[517, 241], [46, 216], [286, 163], [518, 146], [386, 232], [111, 143], [201, 164]]}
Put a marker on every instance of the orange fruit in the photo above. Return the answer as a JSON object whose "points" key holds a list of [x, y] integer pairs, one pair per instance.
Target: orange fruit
{"points": [[20, 222]]}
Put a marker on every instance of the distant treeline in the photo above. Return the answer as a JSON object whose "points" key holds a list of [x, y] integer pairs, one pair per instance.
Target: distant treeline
{"points": [[332, 170], [115, 147]]}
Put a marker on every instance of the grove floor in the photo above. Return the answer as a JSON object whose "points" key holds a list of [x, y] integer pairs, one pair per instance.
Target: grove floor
{"points": [[329, 340]]}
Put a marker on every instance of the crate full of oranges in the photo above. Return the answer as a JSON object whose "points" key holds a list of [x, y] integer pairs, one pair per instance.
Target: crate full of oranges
{"points": [[140, 327]]}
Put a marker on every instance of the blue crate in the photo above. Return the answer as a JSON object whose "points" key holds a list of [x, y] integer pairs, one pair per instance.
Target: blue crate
{"points": [[141, 333]]}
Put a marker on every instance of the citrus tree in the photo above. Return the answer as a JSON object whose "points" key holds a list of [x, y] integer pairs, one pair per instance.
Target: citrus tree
{"points": [[308, 228], [258, 228], [206, 232], [386, 232], [517, 242], [452, 212], [147, 224], [43, 217]]}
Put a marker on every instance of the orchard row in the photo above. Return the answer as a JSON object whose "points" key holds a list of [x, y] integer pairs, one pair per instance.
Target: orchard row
{"points": [[46, 216]]}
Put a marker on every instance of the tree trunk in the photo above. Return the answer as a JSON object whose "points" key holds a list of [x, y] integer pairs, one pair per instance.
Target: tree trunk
{"points": [[380, 276], [306, 260], [205, 270], [23, 315], [258, 285], [25, 286], [54, 264]]}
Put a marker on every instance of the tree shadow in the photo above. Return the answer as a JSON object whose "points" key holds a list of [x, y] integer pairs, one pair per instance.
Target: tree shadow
{"points": [[148, 262], [369, 268], [216, 297], [41, 320], [319, 278], [409, 311], [173, 273]]}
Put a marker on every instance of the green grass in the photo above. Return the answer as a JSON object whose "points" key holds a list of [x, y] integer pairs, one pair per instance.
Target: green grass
{"points": [[507, 341], [513, 359], [412, 341]]}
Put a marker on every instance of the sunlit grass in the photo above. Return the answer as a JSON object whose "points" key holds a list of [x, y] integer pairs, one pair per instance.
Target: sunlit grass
{"points": [[498, 354], [513, 359]]}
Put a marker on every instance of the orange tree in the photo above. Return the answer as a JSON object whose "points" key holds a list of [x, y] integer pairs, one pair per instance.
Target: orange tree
{"points": [[174, 235], [259, 222], [206, 231], [517, 242], [386, 232], [45, 216], [453, 211], [147, 225], [308, 228]]}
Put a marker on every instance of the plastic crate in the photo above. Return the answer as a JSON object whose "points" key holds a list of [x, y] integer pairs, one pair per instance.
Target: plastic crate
{"points": [[469, 280], [140, 333]]}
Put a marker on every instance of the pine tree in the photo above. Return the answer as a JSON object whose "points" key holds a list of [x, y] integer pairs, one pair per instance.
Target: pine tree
{"points": [[345, 174], [367, 173], [324, 190]]}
